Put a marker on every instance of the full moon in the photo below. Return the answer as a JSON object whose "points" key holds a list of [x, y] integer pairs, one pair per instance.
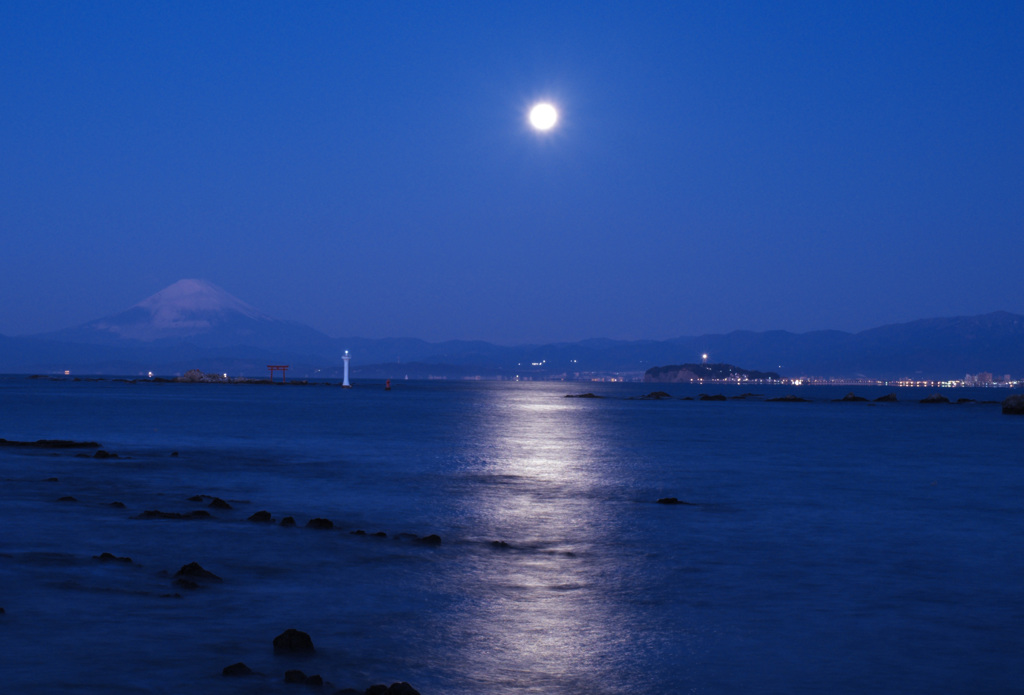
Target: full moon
{"points": [[543, 116]]}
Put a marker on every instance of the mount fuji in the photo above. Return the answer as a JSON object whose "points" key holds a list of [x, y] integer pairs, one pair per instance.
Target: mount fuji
{"points": [[201, 314]]}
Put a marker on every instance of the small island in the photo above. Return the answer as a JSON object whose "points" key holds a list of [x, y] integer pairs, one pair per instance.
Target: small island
{"points": [[680, 373]]}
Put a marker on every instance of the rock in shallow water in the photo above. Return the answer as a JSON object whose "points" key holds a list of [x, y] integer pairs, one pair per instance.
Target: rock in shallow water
{"points": [[673, 500], [293, 641], [110, 557], [1014, 405], [157, 514], [294, 676], [402, 688], [238, 669], [194, 570]]}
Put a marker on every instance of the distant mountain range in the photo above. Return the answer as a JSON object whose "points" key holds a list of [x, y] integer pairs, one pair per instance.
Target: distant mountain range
{"points": [[195, 324]]}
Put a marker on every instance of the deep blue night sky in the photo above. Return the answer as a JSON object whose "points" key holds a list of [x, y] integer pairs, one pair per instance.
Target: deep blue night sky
{"points": [[367, 168]]}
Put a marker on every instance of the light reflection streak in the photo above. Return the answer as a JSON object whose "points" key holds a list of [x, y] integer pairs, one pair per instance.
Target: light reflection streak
{"points": [[536, 611]]}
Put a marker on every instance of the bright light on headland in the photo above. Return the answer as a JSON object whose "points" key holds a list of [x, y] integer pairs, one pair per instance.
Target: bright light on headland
{"points": [[543, 116]]}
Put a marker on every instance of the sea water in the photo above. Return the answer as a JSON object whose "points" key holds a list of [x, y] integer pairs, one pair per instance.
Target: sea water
{"points": [[829, 547]]}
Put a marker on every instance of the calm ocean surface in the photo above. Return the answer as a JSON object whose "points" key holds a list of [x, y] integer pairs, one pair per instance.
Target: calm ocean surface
{"points": [[831, 547]]}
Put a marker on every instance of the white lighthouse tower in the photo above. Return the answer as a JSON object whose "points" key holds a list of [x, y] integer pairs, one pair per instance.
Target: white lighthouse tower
{"points": [[344, 383]]}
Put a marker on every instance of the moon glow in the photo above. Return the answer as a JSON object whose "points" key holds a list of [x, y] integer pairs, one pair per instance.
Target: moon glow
{"points": [[543, 116]]}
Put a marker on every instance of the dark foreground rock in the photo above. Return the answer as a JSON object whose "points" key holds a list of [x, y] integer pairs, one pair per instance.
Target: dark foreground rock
{"points": [[288, 521], [935, 398], [325, 524], [293, 641], [673, 500], [262, 517], [715, 397], [238, 669], [218, 503], [1014, 405], [432, 539], [788, 399], [582, 395], [888, 398]]}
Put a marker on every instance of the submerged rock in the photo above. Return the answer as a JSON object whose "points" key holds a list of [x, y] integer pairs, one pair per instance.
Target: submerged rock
{"points": [[319, 523], [888, 398], [67, 498], [238, 669], [935, 398], [218, 503], [293, 641], [288, 521], [716, 397], [788, 399], [432, 539], [582, 395], [263, 517], [116, 505], [101, 454]]}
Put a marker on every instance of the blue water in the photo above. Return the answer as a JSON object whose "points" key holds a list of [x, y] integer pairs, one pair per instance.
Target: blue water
{"points": [[831, 547]]}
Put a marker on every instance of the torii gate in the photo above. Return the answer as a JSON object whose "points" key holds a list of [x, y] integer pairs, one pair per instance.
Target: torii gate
{"points": [[275, 367]]}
